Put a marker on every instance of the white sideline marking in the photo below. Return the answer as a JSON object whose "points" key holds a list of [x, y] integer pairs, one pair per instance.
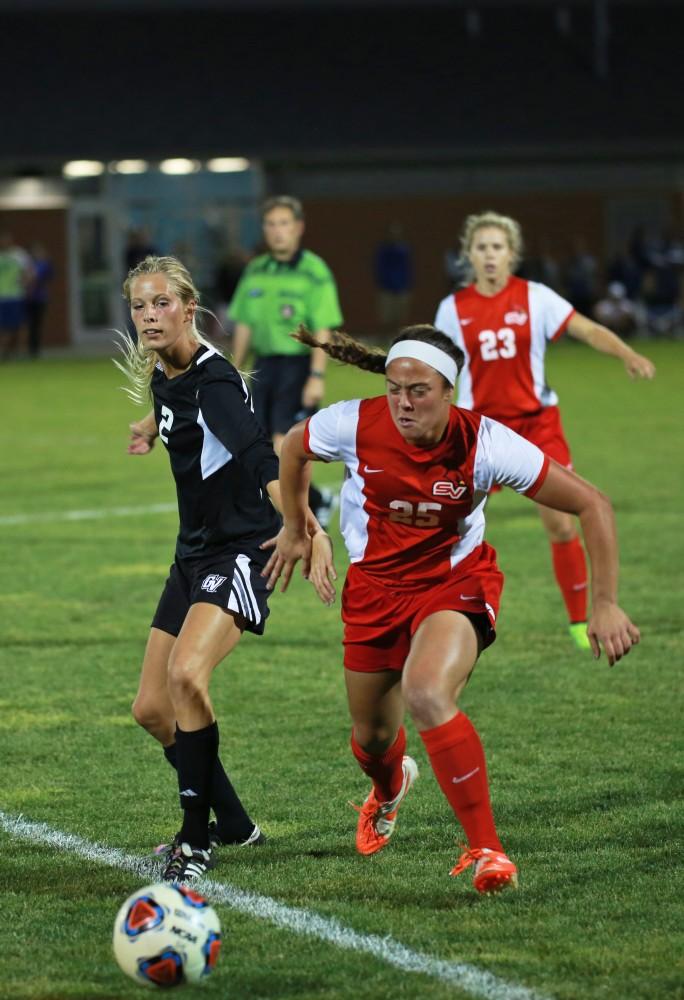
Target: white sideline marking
{"points": [[470, 979], [86, 515]]}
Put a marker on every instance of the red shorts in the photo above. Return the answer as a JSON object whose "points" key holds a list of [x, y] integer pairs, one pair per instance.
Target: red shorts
{"points": [[546, 431], [379, 622]]}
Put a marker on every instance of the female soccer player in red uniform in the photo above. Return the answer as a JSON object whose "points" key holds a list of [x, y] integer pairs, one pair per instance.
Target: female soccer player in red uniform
{"points": [[503, 324], [421, 597]]}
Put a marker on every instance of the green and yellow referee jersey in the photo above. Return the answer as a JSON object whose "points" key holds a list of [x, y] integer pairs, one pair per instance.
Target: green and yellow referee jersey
{"points": [[273, 297]]}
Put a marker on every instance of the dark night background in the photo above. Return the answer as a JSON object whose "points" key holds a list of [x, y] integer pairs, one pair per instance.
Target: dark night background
{"points": [[566, 115], [340, 81]]}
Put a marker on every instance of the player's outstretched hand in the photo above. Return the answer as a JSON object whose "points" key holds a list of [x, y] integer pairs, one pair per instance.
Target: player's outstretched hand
{"points": [[141, 441], [638, 366], [322, 571], [289, 549], [610, 627]]}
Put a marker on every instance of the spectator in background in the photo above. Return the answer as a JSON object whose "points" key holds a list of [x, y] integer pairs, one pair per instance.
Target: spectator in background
{"points": [[456, 268], [626, 270], [37, 296], [541, 266], [661, 295], [393, 271], [139, 245], [581, 277], [662, 285], [642, 246], [15, 277], [618, 312], [279, 290]]}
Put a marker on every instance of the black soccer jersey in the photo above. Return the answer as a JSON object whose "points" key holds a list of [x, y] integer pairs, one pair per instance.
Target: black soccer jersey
{"points": [[220, 458]]}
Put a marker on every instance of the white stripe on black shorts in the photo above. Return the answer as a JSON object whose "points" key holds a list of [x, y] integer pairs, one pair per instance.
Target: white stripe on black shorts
{"points": [[230, 580]]}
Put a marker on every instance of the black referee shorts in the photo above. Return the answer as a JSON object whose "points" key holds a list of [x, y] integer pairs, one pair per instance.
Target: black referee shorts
{"points": [[230, 580], [277, 385]]}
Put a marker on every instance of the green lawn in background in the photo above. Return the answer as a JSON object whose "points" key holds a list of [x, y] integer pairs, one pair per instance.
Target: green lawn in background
{"points": [[585, 762]]}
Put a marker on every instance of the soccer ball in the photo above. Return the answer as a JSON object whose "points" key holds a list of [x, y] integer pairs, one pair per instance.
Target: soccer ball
{"points": [[166, 935]]}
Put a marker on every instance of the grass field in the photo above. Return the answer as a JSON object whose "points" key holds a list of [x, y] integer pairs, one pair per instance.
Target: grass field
{"points": [[583, 760]]}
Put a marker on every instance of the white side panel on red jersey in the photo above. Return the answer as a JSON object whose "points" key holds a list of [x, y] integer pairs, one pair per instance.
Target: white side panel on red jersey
{"points": [[332, 436], [506, 458], [447, 320], [549, 312]]}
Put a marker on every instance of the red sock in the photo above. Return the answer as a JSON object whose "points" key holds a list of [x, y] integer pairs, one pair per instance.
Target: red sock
{"points": [[385, 772], [458, 761], [570, 567]]}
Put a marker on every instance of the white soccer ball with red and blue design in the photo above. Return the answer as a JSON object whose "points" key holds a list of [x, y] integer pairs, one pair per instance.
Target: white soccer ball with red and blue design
{"points": [[166, 935]]}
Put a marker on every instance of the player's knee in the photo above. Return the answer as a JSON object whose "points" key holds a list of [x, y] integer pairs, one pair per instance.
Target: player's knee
{"points": [[562, 533], [425, 705], [185, 683], [146, 714], [374, 737]]}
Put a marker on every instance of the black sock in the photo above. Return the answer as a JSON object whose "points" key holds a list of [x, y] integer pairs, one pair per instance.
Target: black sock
{"points": [[196, 754], [233, 824]]}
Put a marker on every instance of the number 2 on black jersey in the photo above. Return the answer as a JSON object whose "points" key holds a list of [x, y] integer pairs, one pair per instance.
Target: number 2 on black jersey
{"points": [[165, 424]]}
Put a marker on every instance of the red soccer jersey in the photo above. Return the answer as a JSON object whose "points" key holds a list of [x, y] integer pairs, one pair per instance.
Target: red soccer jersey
{"points": [[410, 515], [504, 338]]}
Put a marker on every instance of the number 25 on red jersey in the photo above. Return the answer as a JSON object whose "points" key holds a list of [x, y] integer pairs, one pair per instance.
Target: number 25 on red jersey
{"points": [[420, 515]]}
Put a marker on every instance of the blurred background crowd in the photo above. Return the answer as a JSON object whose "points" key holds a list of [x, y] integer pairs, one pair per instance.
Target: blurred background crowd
{"points": [[638, 290]]}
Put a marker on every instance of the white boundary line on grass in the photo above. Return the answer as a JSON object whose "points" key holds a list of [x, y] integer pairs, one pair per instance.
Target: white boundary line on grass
{"points": [[476, 982], [97, 514]]}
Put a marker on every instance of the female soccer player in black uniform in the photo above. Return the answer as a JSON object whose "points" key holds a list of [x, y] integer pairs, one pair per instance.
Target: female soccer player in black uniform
{"points": [[225, 471]]}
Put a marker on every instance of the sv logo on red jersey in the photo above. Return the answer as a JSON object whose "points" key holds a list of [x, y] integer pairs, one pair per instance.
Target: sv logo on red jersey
{"points": [[444, 488]]}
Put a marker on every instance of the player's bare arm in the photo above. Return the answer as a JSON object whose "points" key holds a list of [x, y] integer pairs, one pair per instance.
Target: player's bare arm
{"points": [[608, 625], [322, 572], [143, 435], [242, 336], [314, 387], [604, 340], [313, 527], [294, 542]]}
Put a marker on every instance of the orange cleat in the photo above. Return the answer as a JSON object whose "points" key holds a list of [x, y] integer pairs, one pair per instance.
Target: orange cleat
{"points": [[493, 870], [377, 819]]}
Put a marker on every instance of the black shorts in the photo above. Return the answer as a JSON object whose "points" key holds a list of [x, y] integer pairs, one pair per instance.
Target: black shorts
{"points": [[277, 385], [230, 580]]}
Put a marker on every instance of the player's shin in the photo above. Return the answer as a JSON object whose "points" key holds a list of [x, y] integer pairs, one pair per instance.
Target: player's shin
{"points": [[458, 761], [384, 770], [196, 754]]}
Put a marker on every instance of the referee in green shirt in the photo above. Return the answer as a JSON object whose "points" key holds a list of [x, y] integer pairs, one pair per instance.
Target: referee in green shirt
{"points": [[278, 291]]}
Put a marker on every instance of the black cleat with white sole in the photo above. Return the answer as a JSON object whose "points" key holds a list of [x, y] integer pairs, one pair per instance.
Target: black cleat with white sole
{"points": [[187, 864]]}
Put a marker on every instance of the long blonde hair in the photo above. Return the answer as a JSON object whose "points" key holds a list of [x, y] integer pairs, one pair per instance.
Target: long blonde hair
{"points": [[139, 362]]}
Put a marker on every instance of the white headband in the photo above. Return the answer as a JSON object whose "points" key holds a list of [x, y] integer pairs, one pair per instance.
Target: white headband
{"points": [[420, 351]]}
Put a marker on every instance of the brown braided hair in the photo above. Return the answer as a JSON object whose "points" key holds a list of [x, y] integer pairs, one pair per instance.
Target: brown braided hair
{"points": [[349, 351]]}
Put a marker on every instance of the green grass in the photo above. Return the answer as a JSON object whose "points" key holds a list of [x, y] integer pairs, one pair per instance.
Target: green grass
{"points": [[583, 760]]}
